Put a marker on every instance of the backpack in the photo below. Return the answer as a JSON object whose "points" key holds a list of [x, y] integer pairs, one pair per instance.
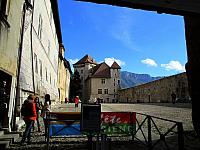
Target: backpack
{"points": [[26, 110]]}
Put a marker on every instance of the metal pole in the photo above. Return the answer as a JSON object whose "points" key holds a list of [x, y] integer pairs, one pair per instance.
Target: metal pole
{"points": [[180, 136], [103, 141], [48, 128], [89, 141], [149, 132], [131, 123], [97, 144]]}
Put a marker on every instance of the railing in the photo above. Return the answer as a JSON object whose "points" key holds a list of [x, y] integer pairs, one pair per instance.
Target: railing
{"points": [[149, 122], [136, 122]]}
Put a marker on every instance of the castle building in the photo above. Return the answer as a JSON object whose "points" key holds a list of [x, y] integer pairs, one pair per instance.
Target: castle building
{"points": [[32, 56], [99, 81]]}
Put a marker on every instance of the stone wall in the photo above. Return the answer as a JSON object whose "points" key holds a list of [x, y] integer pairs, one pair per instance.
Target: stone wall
{"points": [[157, 91]]}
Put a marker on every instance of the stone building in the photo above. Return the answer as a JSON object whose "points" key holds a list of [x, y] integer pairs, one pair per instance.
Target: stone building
{"points": [[157, 91], [38, 72], [30, 50], [10, 37], [64, 74], [98, 80]]}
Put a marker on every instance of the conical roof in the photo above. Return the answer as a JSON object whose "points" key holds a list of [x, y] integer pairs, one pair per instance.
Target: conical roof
{"points": [[115, 65], [86, 59]]}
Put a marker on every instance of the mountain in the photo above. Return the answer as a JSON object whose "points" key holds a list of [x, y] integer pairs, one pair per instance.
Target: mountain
{"points": [[129, 79]]}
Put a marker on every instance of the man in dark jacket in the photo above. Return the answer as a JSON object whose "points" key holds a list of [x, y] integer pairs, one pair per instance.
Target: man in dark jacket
{"points": [[3, 104], [29, 118]]}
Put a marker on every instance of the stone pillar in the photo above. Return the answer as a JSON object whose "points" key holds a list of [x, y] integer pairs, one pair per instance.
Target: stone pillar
{"points": [[192, 32]]}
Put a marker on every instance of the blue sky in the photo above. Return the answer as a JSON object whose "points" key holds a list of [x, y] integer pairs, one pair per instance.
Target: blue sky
{"points": [[140, 41]]}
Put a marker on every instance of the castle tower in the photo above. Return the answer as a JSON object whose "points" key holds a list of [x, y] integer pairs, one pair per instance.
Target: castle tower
{"points": [[115, 77], [83, 66]]}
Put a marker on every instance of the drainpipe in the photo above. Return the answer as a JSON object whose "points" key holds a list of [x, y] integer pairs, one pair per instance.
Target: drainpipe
{"points": [[31, 33], [25, 6], [14, 128]]}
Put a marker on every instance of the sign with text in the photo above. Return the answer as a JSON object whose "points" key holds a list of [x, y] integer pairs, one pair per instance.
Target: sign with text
{"points": [[118, 122]]}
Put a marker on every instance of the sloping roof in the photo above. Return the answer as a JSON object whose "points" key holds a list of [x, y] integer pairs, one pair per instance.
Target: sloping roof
{"points": [[86, 59], [67, 65], [115, 66], [101, 71], [54, 6]]}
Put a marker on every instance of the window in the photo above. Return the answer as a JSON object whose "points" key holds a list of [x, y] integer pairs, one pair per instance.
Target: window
{"points": [[46, 74], [3, 4], [114, 90], [40, 62], [99, 91], [49, 47], [40, 27], [103, 81], [107, 99], [50, 79], [29, 1], [81, 71], [105, 91], [36, 64], [51, 16], [114, 83], [118, 81]]}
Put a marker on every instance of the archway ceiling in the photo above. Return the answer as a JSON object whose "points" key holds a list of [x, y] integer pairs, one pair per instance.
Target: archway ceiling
{"points": [[176, 7]]}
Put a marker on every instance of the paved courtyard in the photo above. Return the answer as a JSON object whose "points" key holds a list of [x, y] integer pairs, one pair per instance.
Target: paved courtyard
{"points": [[180, 112], [177, 112]]}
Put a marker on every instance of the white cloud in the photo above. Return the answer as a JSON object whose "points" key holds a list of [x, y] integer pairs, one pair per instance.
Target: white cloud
{"points": [[73, 61], [174, 65], [149, 62], [110, 61]]}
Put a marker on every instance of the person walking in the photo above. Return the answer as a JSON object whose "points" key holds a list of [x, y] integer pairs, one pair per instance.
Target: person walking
{"points": [[173, 95], [29, 117], [66, 100], [76, 100], [38, 108], [45, 109], [3, 102]]}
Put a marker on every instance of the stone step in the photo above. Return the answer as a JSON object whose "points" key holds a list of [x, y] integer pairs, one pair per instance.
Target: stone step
{"points": [[11, 137], [1, 133], [4, 144]]}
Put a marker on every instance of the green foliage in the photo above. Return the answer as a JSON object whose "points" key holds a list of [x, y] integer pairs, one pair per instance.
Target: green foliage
{"points": [[75, 85]]}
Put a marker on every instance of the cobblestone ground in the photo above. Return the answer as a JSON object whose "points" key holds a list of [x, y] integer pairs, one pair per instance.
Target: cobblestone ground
{"points": [[177, 112]]}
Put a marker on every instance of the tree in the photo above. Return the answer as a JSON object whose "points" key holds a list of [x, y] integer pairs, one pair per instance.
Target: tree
{"points": [[75, 86]]}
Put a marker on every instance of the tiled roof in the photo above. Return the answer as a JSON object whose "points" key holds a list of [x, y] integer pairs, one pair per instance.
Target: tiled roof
{"points": [[101, 71], [115, 66], [86, 59]]}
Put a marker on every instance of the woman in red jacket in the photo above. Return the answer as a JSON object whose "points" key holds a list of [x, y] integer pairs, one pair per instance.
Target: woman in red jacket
{"points": [[29, 118], [76, 100]]}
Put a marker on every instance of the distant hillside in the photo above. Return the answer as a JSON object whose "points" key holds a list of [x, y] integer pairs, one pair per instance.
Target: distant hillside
{"points": [[129, 79]]}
